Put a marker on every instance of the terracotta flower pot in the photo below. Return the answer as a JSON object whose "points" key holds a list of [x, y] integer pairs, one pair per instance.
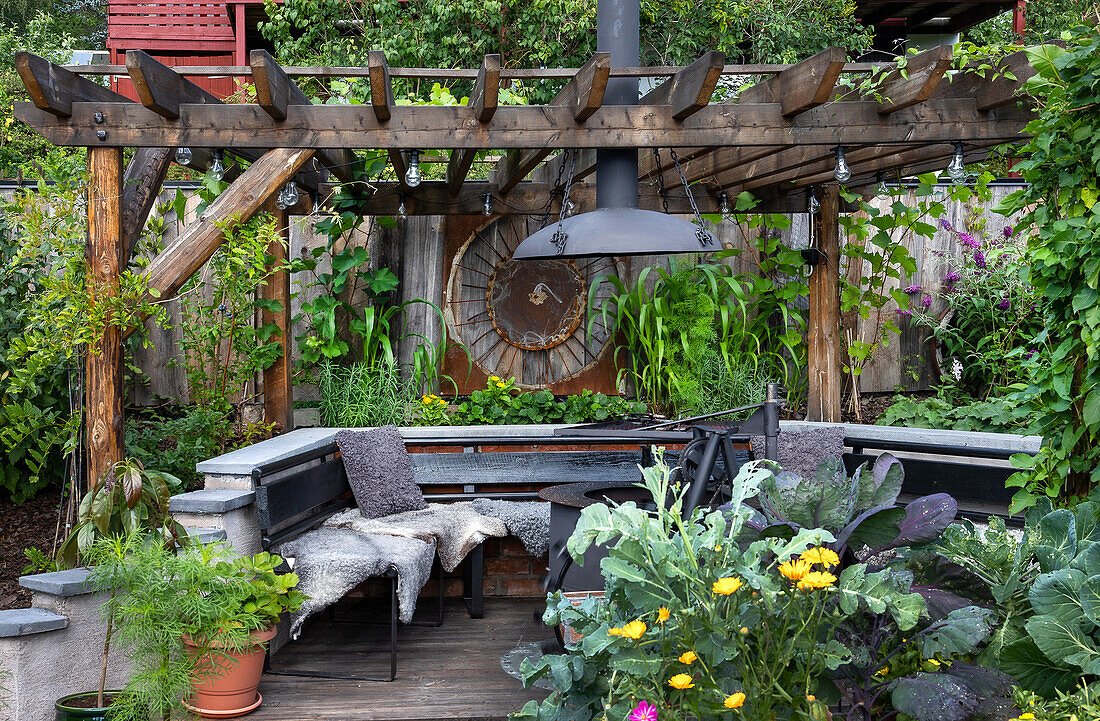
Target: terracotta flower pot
{"points": [[226, 682]]}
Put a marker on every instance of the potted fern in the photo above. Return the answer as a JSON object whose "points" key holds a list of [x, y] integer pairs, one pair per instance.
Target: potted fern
{"points": [[193, 624]]}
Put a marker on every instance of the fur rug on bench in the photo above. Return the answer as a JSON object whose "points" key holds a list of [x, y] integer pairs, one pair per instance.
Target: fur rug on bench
{"points": [[455, 529], [330, 562], [529, 521]]}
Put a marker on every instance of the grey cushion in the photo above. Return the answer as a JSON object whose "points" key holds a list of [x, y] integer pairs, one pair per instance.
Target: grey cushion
{"points": [[801, 451], [379, 471]]}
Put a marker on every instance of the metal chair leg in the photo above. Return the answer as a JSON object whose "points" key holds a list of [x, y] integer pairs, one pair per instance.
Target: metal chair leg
{"points": [[473, 581]]}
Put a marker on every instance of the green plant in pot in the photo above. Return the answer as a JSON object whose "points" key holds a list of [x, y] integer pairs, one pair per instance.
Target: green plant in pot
{"points": [[193, 624]]}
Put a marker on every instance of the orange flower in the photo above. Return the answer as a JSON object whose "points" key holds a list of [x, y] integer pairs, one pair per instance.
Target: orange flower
{"points": [[816, 579], [681, 681], [688, 657], [662, 614], [795, 570], [825, 556], [634, 630], [726, 586], [615, 631], [737, 700]]}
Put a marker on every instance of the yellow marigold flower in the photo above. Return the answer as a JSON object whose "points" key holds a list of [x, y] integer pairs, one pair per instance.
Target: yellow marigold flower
{"points": [[717, 548], [681, 681], [662, 614], [883, 671], [634, 630], [816, 579], [810, 697], [615, 631], [1026, 716], [494, 379], [825, 556], [688, 657], [737, 700], [795, 570], [726, 586], [425, 400], [744, 630], [441, 402], [499, 384]]}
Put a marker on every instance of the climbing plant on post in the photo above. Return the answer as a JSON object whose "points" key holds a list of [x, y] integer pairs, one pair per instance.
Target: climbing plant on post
{"points": [[1061, 208]]}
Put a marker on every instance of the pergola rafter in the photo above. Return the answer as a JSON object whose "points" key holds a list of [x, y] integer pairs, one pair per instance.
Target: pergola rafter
{"points": [[777, 139]]}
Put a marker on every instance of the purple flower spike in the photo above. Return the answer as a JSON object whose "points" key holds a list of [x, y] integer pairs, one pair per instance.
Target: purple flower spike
{"points": [[912, 289], [969, 241], [1008, 232], [945, 225], [644, 711], [902, 311], [1027, 356], [926, 302], [1004, 304], [979, 259], [952, 277]]}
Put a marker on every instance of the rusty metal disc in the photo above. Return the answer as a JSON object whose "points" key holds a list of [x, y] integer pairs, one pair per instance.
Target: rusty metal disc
{"points": [[536, 305]]}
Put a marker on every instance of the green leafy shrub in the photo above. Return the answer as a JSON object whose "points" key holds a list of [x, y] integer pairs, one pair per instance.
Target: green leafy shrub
{"points": [[177, 444], [502, 403], [948, 410], [363, 395]]}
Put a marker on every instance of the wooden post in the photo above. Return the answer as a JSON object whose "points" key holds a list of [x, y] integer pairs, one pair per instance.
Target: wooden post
{"points": [[103, 364], [824, 336], [278, 381]]}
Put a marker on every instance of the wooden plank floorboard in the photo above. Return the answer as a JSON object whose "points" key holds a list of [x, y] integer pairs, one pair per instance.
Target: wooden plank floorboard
{"points": [[450, 672]]}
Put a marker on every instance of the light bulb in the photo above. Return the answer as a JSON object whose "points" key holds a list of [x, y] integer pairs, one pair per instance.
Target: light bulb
{"points": [[956, 169], [291, 190], [183, 156], [881, 190], [488, 211], [724, 204], [401, 209], [217, 169], [842, 172], [280, 199], [412, 175], [814, 205]]}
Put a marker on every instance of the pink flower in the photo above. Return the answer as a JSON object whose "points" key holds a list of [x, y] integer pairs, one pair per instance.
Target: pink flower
{"points": [[912, 289], [644, 711]]}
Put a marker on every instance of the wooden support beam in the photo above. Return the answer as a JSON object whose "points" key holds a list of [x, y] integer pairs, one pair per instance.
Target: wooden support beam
{"points": [[918, 81], [800, 87], [383, 105], [278, 377], [582, 97], [483, 103], [824, 338], [103, 363], [689, 90], [159, 87], [54, 89], [990, 93], [275, 92], [623, 126], [241, 200], [144, 177]]}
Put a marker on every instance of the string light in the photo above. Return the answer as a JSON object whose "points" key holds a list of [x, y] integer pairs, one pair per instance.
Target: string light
{"points": [[488, 211], [724, 204], [881, 190], [183, 156], [217, 168], [412, 175], [842, 172], [401, 209], [291, 190], [814, 206], [956, 169]]}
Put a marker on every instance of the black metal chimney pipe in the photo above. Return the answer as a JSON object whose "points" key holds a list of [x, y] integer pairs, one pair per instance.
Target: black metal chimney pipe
{"points": [[617, 33]]}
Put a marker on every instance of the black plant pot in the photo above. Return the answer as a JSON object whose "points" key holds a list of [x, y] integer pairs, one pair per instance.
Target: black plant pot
{"points": [[82, 706]]}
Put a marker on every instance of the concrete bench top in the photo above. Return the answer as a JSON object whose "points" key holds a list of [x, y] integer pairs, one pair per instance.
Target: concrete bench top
{"points": [[26, 621], [241, 462]]}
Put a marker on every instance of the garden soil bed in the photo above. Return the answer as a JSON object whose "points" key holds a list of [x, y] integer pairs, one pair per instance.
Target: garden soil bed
{"points": [[21, 526]]}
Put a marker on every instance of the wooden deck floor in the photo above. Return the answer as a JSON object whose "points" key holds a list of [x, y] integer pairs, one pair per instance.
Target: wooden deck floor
{"points": [[451, 672]]}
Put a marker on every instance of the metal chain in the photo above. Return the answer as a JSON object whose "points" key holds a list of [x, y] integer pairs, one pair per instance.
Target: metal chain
{"points": [[560, 236], [701, 232], [553, 191], [660, 179]]}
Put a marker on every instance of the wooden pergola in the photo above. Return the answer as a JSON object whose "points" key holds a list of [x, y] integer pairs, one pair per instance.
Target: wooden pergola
{"points": [[777, 140]]}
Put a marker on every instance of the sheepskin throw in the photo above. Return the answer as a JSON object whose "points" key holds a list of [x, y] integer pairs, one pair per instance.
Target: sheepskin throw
{"points": [[379, 472], [529, 521], [801, 451], [332, 561], [454, 529]]}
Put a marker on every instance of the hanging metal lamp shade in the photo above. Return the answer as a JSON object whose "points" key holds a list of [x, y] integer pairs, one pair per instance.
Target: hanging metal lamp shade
{"points": [[614, 232], [617, 226]]}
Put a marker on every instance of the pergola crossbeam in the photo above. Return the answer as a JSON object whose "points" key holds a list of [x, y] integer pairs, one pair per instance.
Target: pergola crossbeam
{"points": [[54, 89], [581, 97], [382, 103], [483, 102], [802, 86], [901, 89], [159, 87], [995, 91]]}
